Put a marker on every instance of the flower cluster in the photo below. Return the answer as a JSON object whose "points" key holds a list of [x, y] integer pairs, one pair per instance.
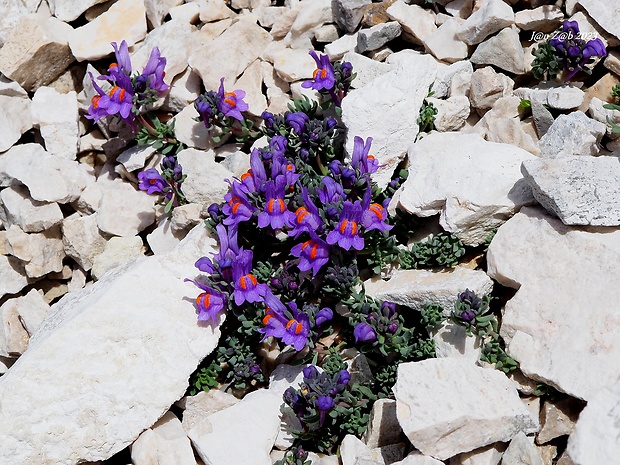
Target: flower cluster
{"points": [[469, 309], [310, 210], [333, 80], [168, 183], [222, 113], [566, 52], [129, 94], [317, 396]]}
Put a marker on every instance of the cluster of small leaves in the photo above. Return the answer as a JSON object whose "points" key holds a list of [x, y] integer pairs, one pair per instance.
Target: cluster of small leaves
{"points": [[204, 379], [295, 456], [543, 389], [426, 119], [546, 65], [443, 250], [474, 313], [159, 135], [615, 93], [487, 240], [432, 315]]}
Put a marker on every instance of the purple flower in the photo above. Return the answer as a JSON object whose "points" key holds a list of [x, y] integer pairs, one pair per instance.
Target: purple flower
{"points": [[388, 309], [210, 303], [278, 145], [307, 218], [280, 165], [152, 182], [361, 159], [254, 180], [275, 213], [313, 254], [323, 76], [152, 76], [118, 101], [310, 372], [228, 253], [323, 315], [292, 331], [123, 61], [268, 119], [594, 48], [346, 234], [231, 103], [364, 332], [331, 191], [237, 207], [468, 315], [344, 377], [297, 121], [205, 110], [374, 215], [325, 403], [247, 288]]}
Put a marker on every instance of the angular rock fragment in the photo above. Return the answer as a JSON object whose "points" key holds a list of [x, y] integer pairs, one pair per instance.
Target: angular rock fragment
{"points": [[256, 419], [383, 427], [348, 13], [125, 20], [521, 451], [42, 253], [451, 113], [12, 275], [48, 178], [377, 36], [488, 455], [14, 113], [493, 16], [552, 340], [123, 211], [488, 86], [205, 183], [233, 51], [483, 409], [475, 189], [164, 442], [417, 22], [572, 134], [91, 380], [444, 44], [56, 115], [502, 50], [197, 408], [32, 310], [387, 110], [13, 336], [606, 14], [545, 18], [82, 239], [453, 80], [70, 11], [414, 288], [37, 52], [12, 12], [156, 10], [366, 69], [558, 418], [578, 190], [30, 215], [117, 251]]}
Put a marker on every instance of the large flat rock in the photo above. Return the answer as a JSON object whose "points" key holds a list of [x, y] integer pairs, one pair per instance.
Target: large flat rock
{"points": [[106, 363], [578, 190], [475, 185], [448, 406], [562, 324]]}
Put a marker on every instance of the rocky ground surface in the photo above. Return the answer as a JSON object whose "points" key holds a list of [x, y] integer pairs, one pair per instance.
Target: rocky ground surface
{"points": [[97, 331]]}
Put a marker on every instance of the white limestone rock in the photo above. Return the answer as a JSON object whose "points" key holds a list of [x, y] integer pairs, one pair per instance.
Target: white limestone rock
{"points": [[156, 10], [125, 20], [475, 189], [14, 113], [595, 437], [32, 310], [493, 16], [291, 64], [551, 340], [91, 380], [233, 51], [205, 183], [502, 50], [189, 131], [383, 427], [606, 14], [42, 253], [70, 11], [134, 158], [214, 10], [366, 69], [185, 89], [414, 288], [545, 18], [175, 40], [117, 251], [488, 86], [521, 452], [30, 215], [445, 45], [82, 239], [251, 81], [164, 442], [197, 408], [572, 134], [164, 237], [12, 275], [338, 48], [453, 79], [12, 12], [377, 36], [414, 20], [488, 455], [254, 421], [36, 52], [601, 114], [387, 109], [558, 418], [56, 115], [309, 16], [451, 113], [451, 340], [47, 177], [13, 336], [578, 190], [283, 377], [472, 414], [123, 211], [349, 13]]}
